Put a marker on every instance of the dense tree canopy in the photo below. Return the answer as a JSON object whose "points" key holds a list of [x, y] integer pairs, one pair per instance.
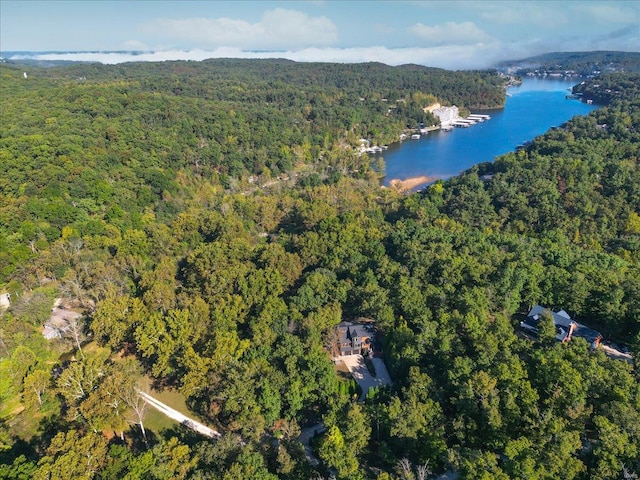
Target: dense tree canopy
{"points": [[126, 192]]}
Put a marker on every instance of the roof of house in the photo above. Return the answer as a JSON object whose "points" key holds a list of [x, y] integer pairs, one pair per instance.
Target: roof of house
{"points": [[58, 322], [354, 336], [350, 330], [562, 320]]}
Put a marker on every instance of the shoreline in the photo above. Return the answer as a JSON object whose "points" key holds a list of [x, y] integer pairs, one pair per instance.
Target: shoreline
{"points": [[410, 183]]}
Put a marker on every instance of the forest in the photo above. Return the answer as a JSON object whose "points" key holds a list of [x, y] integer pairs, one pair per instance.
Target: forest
{"points": [[607, 88], [213, 224]]}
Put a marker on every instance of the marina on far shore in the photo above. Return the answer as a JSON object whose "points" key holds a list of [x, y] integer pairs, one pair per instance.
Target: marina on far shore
{"points": [[533, 107], [449, 119]]}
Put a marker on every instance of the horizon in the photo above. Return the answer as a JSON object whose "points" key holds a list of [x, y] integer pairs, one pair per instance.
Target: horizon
{"points": [[116, 57], [453, 35]]}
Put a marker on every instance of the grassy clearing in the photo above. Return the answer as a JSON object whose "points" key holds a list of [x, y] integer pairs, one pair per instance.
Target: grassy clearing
{"points": [[25, 423], [11, 407], [156, 421]]}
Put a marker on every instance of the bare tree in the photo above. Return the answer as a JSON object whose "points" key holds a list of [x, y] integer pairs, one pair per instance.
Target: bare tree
{"points": [[73, 330], [3, 345], [72, 287], [138, 406], [317, 476], [423, 471], [35, 385], [332, 340], [289, 428], [404, 465], [627, 474], [406, 470], [130, 394]]}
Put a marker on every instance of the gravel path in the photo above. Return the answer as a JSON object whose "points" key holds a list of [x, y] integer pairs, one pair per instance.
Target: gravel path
{"points": [[179, 417], [305, 438]]}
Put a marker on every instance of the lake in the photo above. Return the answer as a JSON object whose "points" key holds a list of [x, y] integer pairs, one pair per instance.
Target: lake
{"points": [[531, 109]]}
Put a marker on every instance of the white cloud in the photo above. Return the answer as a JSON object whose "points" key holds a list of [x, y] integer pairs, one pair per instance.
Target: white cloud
{"points": [[473, 55], [451, 57], [451, 33], [111, 58], [278, 29]]}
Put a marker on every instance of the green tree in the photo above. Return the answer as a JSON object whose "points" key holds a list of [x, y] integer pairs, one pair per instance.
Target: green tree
{"points": [[547, 330], [249, 465], [73, 454], [115, 319], [335, 453], [35, 388]]}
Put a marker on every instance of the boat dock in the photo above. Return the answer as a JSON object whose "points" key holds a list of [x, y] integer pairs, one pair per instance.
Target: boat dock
{"points": [[472, 119], [463, 122], [478, 117], [374, 149]]}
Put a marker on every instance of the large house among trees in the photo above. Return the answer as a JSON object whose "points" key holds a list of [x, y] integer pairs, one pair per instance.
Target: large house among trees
{"points": [[566, 328], [353, 338]]}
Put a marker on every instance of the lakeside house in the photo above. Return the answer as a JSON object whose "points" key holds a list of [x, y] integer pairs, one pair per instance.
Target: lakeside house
{"points": [[566, 328], [447, 115]]}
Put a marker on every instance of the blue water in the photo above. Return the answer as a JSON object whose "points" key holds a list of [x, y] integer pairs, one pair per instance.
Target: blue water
{"points": [[530, 110]]}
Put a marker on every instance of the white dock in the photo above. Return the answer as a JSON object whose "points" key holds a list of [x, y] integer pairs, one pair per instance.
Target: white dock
{"points": [[463, 122], [479, 117]]}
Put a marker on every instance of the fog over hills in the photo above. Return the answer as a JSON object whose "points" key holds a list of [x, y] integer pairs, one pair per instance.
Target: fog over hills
{"points": [[583, 61]]}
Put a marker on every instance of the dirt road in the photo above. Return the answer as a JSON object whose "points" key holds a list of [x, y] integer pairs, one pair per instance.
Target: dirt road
{"points": [[179, 417]]}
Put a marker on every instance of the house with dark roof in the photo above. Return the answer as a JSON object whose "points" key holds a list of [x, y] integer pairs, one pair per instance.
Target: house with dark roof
{"points": [[353, 338], [566, 328]]}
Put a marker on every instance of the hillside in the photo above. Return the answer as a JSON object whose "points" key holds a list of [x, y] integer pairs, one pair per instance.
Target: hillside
{"points": [[575, 63]]}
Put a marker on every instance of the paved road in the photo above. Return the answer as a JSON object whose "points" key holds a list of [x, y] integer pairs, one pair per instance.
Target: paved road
{"points": [[179, 417], [359, 371]]}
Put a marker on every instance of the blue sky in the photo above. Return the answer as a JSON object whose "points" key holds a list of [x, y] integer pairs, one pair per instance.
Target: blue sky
{"points": [[449, 34]]}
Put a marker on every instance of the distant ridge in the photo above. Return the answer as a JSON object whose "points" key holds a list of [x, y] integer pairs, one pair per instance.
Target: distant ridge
{"points": [[582, 63]]}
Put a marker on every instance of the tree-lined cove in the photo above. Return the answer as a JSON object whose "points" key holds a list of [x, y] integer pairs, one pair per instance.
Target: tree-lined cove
{"points": [[530, 110]]}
